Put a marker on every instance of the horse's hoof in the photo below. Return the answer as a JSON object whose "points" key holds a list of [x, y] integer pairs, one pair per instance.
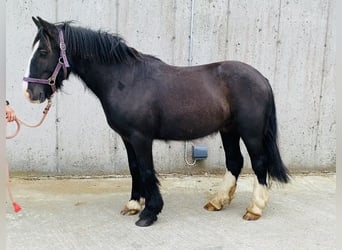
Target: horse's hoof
{"points": [[212, 207], [132, 207], [145, 222], [126, 211], [251, 216]]}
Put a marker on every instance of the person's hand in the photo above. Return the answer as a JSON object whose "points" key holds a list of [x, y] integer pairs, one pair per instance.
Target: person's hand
{"points": [[10, 114]]}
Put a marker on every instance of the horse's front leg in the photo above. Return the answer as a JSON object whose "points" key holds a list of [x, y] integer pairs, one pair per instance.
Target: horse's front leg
{"points": [[148, 181], [134, 205]]}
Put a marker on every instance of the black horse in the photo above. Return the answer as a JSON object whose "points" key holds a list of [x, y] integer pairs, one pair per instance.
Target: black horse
{"points": [[146, 99]]}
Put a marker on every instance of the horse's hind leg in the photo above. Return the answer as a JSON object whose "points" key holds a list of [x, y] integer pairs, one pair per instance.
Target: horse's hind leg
{"points": [[234, 163], [254, 145], [135, 203]]}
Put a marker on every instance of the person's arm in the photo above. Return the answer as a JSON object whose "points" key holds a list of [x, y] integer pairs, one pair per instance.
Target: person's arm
{"points": [[10, 114]]}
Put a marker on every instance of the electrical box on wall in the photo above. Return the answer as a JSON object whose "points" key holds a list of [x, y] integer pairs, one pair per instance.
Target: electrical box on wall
{"points": [[199, 152]]}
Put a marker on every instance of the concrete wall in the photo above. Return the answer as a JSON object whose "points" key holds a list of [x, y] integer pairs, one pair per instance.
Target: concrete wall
{"points": [[291, 42]]}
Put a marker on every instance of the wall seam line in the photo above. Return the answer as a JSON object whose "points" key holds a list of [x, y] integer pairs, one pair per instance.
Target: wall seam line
{"points": [[277, 49], [322, 76], [57, 148]]}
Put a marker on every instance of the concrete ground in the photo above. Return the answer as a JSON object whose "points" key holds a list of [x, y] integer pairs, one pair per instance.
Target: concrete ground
{"points": [[85, 214]]}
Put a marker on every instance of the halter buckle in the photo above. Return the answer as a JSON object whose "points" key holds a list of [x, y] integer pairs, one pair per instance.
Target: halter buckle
{"points": [[51, 81], [62, 46], [61, 60]]}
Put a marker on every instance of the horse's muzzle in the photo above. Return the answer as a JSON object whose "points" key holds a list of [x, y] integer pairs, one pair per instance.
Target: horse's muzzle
{"points": [[38, 97]]}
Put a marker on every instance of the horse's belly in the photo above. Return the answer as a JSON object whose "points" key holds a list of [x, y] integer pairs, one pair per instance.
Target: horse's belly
{"points": [[192, 126]]}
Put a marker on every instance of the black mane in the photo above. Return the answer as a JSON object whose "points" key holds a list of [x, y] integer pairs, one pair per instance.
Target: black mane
{"points": [[100, 46]]}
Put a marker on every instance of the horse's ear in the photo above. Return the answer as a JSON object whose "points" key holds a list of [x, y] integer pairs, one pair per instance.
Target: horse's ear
{"points": [[49, 28], [36, 22]]}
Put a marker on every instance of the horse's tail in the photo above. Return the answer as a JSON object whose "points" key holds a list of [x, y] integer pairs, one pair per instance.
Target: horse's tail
{"points": [[275, 166]]}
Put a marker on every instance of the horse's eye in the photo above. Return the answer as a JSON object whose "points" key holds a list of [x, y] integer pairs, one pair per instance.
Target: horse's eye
{"points": [[43, 52]]}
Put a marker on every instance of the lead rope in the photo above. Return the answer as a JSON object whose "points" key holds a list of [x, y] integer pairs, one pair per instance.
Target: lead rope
{"points": [[18, 121], [16, 206]]}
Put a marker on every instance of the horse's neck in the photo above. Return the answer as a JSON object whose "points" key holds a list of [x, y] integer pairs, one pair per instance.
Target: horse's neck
{"points": [[90, 73], [100, 77]]}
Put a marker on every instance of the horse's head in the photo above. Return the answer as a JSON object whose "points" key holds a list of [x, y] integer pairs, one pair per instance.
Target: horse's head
{"points": [[47, 67]]}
